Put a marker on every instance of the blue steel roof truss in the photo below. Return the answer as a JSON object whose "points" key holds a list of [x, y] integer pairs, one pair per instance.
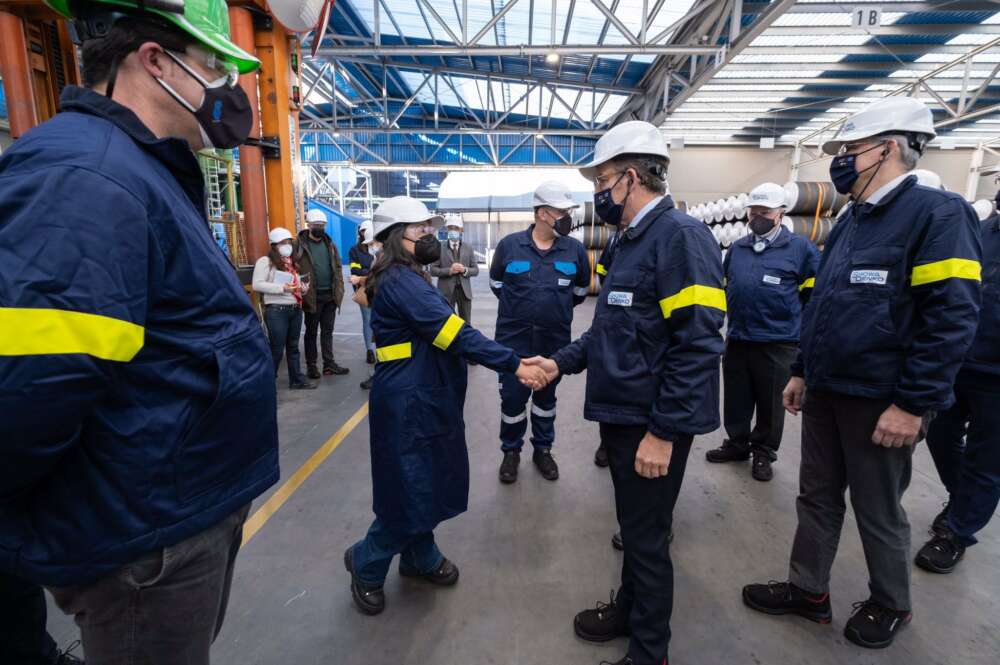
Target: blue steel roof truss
{"points": [[424, 91]]}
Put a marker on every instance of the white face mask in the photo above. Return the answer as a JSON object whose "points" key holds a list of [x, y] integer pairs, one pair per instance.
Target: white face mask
{"points": [[285, 250]]}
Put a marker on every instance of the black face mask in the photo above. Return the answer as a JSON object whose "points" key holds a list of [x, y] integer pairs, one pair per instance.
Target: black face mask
{"points": [[605, 206], [563, 225], [426, 249], [844, 172], [224, 116], [760, 224]]}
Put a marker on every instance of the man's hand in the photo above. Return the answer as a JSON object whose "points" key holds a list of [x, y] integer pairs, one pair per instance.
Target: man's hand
{"points": [[653, 457], [532, 376], [792, 396], [457, 268], [547, 365], [290, 288], [896, 428], [355, 280]]}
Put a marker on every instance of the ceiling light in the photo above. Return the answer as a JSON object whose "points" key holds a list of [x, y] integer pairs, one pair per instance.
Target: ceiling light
{"points": [[552, 57], [539, 136]]}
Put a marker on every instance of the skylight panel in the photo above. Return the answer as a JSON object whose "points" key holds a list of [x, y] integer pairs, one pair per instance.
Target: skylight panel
{"points": [[810, 40]]}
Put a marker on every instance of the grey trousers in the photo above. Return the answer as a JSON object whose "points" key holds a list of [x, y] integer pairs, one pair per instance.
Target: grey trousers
{"points": [[837, 453], [462, 304], [164, 608]]}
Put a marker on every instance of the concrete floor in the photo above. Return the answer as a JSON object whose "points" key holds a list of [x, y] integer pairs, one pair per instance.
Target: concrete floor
{"points": [[534, 553]]}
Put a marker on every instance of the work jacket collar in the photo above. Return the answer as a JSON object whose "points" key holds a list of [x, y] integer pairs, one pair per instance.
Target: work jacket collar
{"points": [[528, 241], [783, 238], [664, 206]]}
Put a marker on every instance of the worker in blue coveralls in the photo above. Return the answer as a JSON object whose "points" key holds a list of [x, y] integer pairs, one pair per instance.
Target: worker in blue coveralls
{"points": [[769, 275], [893, 311], [420, 465], [652, 360], [965, 439], [539, 275]]}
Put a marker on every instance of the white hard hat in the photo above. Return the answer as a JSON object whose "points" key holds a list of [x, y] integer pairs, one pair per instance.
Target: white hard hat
{"points": [[927, 178], [634, 137], [768, 195], [402, 210], [315, 216], [890, 114], [983, 208], [554, 193], [454, 219], [369, 230], [279, 234]]}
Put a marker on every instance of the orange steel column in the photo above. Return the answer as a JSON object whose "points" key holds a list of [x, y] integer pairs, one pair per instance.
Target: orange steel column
{"points": [[21, 111], [251, 160], [279, 120]]}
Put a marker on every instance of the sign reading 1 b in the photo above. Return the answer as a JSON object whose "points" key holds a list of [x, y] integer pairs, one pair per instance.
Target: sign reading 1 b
{"points": [[864, 18]]}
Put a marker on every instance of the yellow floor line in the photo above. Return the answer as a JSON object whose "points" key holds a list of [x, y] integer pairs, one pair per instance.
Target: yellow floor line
{"points": [[271, 506]]}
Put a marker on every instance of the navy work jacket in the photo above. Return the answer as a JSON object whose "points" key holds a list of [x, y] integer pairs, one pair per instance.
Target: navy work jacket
{"points": [[652, 353], [537, 291], [136, 385], [984, 355], [896, 300], [420, 465], [765, 290]]}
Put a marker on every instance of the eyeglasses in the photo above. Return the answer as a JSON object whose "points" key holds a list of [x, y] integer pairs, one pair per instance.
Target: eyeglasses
{"points": [[601, 179], [858, 148], [229, 75]]}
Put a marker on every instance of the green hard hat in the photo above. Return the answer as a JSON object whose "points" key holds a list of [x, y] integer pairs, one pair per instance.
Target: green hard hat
{"points": [[207, 21]]}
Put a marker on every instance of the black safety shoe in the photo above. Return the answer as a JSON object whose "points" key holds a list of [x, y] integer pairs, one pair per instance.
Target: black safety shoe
{"points": [[727, 452], [302, 385], [603, 623], [66, 658], [941, 553], [786, 598], [508, 467], [546, 464], [445, 574], [624, 661], [330, 370], [762, 468], [873, 626], [367, 383], [313, 373], [940, 523], [369, 600], [601, 457], [370, 357]]}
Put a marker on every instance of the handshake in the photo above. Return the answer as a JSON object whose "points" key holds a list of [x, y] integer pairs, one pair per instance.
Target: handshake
{"points": [[537, 372]]}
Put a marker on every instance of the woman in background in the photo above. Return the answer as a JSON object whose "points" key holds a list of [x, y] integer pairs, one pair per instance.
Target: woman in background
{"points": [[362, 255], [277, 279]]}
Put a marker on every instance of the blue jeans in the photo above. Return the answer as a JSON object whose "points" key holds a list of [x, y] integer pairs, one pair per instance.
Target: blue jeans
{"points": [[965, 444], [284, 326], [373, 555], [366, 327]]}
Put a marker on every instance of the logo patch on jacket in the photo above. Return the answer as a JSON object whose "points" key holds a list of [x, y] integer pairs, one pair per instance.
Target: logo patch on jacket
{"points": [[620, 298], [563, 282], [869, 276], [771, 279]]}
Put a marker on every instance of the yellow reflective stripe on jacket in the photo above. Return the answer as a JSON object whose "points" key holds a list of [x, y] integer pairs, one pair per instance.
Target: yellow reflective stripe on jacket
{"points": [[947, 269], [355, 265], [808, 284], [696, 294], [36, 332], [400, 351], [448, 331], [601, 270]]}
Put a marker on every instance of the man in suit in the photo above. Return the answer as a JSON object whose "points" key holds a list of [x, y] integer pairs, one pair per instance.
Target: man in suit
{"points": [[453, 270]]}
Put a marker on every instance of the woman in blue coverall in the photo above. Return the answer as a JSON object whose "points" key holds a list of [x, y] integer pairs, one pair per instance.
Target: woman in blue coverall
{"points": [[420, 464]]}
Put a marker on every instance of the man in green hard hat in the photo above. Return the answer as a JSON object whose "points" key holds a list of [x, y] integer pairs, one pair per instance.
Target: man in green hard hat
{"points": [[135, 381]]}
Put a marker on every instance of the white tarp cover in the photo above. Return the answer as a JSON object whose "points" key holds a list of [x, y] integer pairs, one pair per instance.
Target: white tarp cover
{"points": [[480, 191]]}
